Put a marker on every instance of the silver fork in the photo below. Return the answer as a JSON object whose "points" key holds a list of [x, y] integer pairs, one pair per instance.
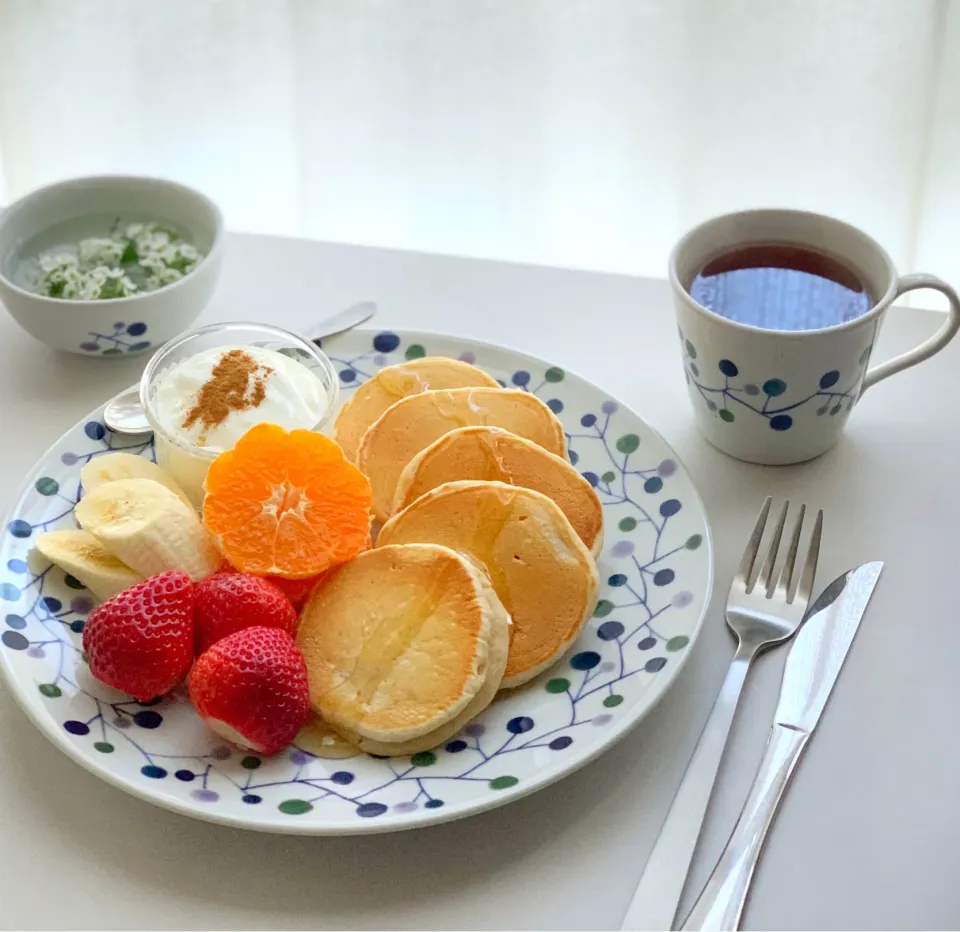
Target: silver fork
{"points": [[761, 613]]}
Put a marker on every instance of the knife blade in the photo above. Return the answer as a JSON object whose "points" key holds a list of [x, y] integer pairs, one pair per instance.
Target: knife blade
{"points": [[813, 665], [821, 646]]}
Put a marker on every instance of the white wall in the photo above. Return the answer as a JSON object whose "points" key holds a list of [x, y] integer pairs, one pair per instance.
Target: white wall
{"points": [[585, 133]]}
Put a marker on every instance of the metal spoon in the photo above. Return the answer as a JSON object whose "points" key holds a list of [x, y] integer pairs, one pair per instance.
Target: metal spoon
{"points": [[125, 415]]}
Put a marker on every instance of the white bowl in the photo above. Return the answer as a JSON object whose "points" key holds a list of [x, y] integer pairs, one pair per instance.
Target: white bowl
{"points": [[72, 210]]}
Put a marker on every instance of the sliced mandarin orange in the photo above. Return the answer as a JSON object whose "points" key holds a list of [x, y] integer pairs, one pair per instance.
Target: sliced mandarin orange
{"points": [[286, 503]]}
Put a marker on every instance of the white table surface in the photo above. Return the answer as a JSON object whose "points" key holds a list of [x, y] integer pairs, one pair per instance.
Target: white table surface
{"points": [[869, 833]]}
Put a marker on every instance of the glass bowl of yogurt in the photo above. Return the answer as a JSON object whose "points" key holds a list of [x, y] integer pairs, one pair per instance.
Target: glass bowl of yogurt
{"points": [[206, 388]]}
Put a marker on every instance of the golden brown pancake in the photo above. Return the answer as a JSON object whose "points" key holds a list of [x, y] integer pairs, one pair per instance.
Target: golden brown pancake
{"points": [[398, 642], [544, 575], [496, 455], [391, 384], [413, 423], [496, 665]]}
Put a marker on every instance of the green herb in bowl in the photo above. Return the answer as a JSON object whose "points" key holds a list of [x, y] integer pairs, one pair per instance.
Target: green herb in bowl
{"points": [[135, 258]]}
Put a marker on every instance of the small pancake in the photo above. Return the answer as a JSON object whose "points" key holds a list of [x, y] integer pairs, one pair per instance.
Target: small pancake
{"points": [[397, 642], [496, 455], [544, 575], [413, 423], [391, 384], [496, 665]]}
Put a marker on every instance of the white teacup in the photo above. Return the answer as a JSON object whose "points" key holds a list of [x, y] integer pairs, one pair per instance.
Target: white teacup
{"points": [[783, 396]]}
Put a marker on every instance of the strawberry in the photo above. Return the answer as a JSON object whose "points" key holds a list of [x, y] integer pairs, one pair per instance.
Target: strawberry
{"points": [[229, 602], [251, 688], [296, 590], [141, 640], [299, 590]]}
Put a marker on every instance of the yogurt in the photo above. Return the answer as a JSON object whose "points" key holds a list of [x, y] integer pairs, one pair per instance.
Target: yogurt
{"points": [[203, 404]]}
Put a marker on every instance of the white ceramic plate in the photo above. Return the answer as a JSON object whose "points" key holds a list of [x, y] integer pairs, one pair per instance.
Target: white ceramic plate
{"points": [[656, 575]]}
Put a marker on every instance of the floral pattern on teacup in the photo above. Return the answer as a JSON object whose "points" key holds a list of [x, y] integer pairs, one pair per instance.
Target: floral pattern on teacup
{"points": [[731, 393]]}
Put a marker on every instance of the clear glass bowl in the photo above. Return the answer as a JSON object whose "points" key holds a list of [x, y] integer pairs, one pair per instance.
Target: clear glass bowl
{"points": [[187, 463]]}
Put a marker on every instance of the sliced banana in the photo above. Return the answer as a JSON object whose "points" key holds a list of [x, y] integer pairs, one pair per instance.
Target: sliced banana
{"points": [[113, 467], [81, 555], [149, 528]]}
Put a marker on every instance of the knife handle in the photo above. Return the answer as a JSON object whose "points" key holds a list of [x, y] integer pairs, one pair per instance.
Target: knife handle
{"points": [[721, 903]]}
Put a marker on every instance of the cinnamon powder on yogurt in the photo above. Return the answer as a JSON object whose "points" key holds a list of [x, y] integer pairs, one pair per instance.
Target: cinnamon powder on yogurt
{"points": [[237, 383]]}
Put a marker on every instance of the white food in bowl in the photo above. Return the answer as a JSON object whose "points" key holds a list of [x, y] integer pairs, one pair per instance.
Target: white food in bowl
{"points": [[293, 398], [279, 378], [135, 258]]}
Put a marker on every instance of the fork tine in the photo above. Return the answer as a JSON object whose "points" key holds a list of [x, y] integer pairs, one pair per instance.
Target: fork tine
{"points": [[785, 583], [753, 545], [805, 586], [766, 573]]}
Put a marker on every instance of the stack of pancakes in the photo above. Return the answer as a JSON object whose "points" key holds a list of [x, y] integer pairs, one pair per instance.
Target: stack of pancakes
{"points": [[483, 572]]}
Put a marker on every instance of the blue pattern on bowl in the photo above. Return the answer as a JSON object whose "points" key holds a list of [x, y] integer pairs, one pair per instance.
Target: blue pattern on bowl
{"points": [[123, 339]]}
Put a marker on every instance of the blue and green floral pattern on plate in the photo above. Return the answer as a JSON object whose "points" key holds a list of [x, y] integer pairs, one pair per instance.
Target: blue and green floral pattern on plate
{"points": [[656, 576]]}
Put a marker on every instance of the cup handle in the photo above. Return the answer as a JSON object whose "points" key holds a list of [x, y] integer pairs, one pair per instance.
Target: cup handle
{"points": [[926, 349]]}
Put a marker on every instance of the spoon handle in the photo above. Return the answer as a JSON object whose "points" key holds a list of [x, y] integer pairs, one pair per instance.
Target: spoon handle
{"points": [[345, 320]]}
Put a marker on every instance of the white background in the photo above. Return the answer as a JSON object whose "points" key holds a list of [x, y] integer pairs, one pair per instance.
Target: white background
{"points": [[583, 133]]}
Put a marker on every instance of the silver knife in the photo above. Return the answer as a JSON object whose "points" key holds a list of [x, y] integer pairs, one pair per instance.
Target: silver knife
{"points": [[812, 667]]}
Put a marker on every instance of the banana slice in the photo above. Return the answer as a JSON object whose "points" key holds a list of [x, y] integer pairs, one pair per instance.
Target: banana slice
{"points": [[144, 524], [115, 466], [80, 554]]}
